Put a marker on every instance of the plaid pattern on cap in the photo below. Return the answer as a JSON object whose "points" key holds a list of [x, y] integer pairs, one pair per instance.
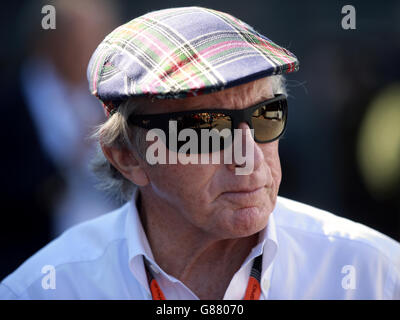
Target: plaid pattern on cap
{"points": [[182, 52]]}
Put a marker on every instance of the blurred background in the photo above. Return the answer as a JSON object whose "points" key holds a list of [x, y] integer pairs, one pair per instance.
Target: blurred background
{"points": [[341, 151]]}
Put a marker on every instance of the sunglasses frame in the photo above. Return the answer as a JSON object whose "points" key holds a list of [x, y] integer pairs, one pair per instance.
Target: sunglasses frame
{"points": [[153, 121]]}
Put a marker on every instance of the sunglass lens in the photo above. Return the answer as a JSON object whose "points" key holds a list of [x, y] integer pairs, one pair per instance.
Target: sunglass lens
{"points": [[206, 132], [269, 121]]}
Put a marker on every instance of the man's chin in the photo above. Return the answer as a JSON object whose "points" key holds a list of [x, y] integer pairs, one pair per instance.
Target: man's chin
{"points": [[248, 221]]}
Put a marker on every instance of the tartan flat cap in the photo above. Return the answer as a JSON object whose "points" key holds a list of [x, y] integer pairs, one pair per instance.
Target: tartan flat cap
{"points": [[181, 52]]}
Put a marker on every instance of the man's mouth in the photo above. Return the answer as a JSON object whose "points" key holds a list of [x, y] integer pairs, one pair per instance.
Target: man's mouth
{"points": [[244, 190], [244, 196]]}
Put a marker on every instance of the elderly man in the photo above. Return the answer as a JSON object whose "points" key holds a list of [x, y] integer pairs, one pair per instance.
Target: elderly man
{"points": [[200, 229]]}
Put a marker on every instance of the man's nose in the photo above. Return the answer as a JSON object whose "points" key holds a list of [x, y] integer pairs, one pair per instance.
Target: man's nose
{"points": [[245, 151]]}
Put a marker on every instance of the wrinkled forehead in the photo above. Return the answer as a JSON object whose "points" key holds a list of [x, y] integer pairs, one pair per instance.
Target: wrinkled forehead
{"points": [[238, 97]]}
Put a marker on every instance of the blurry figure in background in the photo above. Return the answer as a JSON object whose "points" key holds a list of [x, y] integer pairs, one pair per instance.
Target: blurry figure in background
{"points": [[54, 85], [53, 111]]}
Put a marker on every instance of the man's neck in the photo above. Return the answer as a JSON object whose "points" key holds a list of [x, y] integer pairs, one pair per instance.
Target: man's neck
{"points": [[203, 263]]}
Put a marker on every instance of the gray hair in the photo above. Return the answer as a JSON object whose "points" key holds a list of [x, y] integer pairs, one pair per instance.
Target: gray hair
{"points": [[116, 133]]}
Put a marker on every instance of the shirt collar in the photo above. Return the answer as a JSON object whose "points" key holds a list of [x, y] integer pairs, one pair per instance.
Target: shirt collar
{"points": [[270, 250], [138, 245]]}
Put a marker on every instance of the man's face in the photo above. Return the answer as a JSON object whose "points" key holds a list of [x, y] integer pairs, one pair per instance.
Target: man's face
{"points": [[211, 197]]}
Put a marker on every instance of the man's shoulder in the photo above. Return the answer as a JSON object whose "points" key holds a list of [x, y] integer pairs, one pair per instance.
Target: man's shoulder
{"points": [[320, 225], [83, 243]]}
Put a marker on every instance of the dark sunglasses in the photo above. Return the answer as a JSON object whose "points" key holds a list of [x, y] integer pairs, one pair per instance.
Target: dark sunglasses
{"points": [[267, 118]]}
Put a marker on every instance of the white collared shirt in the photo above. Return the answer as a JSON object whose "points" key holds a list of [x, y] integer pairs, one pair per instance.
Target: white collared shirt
{"points": [[307, 254]]}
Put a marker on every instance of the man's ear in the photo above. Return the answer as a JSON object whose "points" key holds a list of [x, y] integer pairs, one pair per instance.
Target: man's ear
{"points": [[126, 163]]}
